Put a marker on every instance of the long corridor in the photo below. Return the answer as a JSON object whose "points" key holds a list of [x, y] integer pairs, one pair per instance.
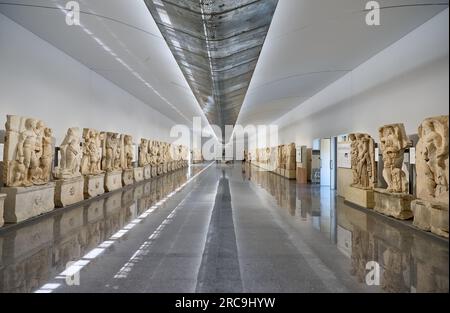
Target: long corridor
{"points": [[219, 228]]}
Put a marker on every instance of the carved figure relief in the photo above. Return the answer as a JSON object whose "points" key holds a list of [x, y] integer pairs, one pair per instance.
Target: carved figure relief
{"points": [[28, 153], [71, 155], [92, 152], [111, 152], [144, 153], [393, 145], [128, 152], [363, 161], [432, 159]]}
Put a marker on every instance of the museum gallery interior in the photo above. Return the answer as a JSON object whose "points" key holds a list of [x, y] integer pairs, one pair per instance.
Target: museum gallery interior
{"points": [[224, 146]]}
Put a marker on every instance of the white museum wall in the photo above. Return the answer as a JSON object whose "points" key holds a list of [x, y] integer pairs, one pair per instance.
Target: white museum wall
{"points": [[405, 83], [38, 80]]}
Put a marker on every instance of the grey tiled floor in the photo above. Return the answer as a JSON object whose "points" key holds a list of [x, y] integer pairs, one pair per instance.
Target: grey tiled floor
{"points": [[231, 229]]}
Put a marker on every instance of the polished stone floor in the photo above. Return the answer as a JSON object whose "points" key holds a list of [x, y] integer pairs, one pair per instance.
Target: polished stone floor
{"points": [[219, 228]]}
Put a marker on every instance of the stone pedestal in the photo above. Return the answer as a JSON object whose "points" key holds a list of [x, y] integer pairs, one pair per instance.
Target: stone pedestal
{"points": [[147, 172], [22, 203], [154, 170], [94, 185], [138, 174], [361, 197], [431, 216], [128, 177], [113, 180], [397, 205], [2, 203], [165, 167], [160, 169], [69, 191]]}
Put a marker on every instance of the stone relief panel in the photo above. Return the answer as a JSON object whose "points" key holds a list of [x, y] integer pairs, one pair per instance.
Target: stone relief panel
{"points": [[432, 160], [71, 155], [127, 152], [28, 152], [92, 152], [111, 146], [394, 142], [144, 153], [363, 161]]}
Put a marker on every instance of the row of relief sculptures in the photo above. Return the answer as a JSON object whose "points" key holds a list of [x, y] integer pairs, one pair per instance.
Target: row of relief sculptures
{"points": [[429, 206], [69, 234], [89, 163], [279, 159]]}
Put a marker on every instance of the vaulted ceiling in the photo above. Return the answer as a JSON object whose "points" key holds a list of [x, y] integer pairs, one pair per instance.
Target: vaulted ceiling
{"points": [[184, 63]]}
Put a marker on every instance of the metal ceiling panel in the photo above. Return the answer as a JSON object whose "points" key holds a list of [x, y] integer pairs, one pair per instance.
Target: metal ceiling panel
{"points": [[217, 44]]}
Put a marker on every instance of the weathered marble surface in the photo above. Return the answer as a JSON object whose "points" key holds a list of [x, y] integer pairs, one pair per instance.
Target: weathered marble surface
{"points": [[361, 197], [394, 142], [92, 152], [127, 152], [363, 161], [71, 154], [432, 160], [128, 177], [148, 171], [23, 203], [2, 203], [112, 152], [69, 191], [113, 180], [94, 185], [431, 209], [144, 155], [138, 174], [280, 160], [28, 152], [397, 205]]}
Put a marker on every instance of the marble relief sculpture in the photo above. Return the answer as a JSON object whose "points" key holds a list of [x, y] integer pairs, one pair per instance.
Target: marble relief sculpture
{"points": [[112, 155], [144, 152], [363, 161], [27, 168], [290, 157], [71, 155], [69, 184], [431, 207], [128, 152], [394, 142], [432, 160], [28, 152], [92, 152], [394, 201]]}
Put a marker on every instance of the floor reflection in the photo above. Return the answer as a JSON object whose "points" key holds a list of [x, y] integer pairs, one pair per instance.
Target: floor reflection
{"points": [[409, 260], [33, 253]]}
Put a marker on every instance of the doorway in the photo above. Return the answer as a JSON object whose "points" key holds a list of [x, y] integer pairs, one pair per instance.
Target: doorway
{"points": [[328, 150]]}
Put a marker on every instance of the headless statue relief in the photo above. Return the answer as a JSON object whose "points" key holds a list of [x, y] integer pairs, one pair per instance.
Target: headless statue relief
{"points": [[128, 152], [111, 152], [393, 144], [71, 155], [92, 152], [432, 160], [143, 153], [28, 152], [363, 161]]}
